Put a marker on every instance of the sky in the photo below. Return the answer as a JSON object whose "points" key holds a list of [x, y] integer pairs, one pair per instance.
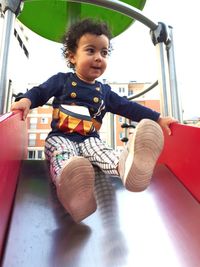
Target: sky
{"points": [[134, 55]]}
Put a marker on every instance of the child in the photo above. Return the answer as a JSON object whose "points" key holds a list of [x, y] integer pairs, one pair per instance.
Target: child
{"points": [[79, 105]]}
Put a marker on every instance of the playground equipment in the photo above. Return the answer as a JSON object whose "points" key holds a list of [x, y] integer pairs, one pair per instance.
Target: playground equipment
{"points": [[159, 227], [53, 17], [162, 38]]}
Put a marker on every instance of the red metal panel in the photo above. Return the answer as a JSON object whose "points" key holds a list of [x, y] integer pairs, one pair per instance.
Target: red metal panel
{"points": [[12, 147], [182, 156]]}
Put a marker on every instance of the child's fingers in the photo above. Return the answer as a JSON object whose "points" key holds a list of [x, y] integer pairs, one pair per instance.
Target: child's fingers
{"points": [[25, 113], [168, 130]]}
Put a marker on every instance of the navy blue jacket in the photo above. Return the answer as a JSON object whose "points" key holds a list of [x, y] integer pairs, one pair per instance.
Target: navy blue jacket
{"points": [[79, 107]]}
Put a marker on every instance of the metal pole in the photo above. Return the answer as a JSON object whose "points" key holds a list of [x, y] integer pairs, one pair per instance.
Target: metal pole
{"points": [[175, 97], [123, 8], [112, 131], [169, 94], [9, 96], [10, 8], [165, 103], [4, 57]]}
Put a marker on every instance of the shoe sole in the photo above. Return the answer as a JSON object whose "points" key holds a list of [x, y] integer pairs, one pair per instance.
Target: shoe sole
{"points": [[76, 188], [145, 148]]}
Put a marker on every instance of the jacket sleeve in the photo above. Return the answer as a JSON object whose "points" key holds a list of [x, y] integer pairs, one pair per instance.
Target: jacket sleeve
{"points": [[128, 109], [39, 95]]}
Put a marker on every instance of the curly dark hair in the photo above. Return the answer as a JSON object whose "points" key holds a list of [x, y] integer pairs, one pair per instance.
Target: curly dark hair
{"points": [[77, 30]]}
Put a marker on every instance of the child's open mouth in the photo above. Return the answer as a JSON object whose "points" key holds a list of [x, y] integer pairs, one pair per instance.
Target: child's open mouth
{"points": [[96, 68]]}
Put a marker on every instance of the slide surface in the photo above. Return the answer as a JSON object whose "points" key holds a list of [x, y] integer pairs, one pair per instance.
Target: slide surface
{"points": [[158, 227]]}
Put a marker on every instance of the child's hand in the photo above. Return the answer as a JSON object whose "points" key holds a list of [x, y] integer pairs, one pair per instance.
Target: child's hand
{"points": [[24, 105], [165, 122]]}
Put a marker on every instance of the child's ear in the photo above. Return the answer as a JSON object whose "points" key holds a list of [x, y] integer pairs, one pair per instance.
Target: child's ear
{"points": [[71, 57]]}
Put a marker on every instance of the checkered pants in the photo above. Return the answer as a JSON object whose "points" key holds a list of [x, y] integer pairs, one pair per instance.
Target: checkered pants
{"points": [[59, 149]]}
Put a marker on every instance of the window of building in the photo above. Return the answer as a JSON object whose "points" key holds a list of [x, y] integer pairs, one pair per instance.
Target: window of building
{"points": [[31, 154], [44, 120], [40, 154], [32, 136], [34, 111], [43, 136], [33, 123], [33, 120], [32, 140], [130, 92], [33, 126], [121, 135], [26, 51], [120, 119], [121, 90]]}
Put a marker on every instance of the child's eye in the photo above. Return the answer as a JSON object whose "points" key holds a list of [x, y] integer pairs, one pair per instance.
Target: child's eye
{"points": [[104, 53], [90, 50]]}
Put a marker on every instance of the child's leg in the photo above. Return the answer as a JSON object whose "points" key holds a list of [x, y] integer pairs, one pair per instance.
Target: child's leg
{"points": [[99, 154], [58, 150], [75, 188], [73, 176], [140, 155]]}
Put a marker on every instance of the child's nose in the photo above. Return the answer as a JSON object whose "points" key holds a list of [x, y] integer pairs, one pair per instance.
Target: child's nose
{"points": [[98, 56]]}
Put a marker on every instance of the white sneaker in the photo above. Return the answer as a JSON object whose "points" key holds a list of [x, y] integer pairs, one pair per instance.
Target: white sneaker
{"points": [[137, 161], [75, 188]]}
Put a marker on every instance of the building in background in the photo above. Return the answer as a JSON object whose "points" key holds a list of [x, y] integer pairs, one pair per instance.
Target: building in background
{"points": [[38, 124], [151, 99]]}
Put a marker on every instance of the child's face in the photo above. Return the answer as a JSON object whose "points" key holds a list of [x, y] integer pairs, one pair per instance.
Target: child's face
{"points": [[90, 58]]}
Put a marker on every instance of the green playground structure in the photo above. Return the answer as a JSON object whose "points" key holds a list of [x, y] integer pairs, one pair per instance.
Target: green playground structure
{"points": [[51, 18]]}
